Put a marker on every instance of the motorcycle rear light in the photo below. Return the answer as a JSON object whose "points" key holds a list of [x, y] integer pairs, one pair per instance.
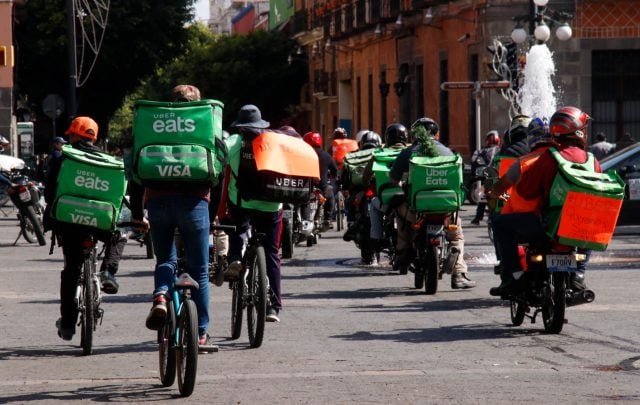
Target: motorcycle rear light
{"points": [[88, 244], [452, 228], [22, 189], [537, 258], [435, 242], [417, 225], [370, 193]]}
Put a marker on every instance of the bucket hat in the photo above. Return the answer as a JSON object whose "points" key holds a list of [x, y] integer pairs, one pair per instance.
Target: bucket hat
{"points": [[249, 116]]}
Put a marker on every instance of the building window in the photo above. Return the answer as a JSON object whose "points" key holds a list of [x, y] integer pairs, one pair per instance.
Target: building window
{"points": [[615, 94], [370, 101], [444, 104], [419, 91], [358, 104]]}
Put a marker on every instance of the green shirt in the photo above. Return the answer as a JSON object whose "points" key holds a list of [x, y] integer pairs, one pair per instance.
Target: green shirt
{"points": [[234, 145]]}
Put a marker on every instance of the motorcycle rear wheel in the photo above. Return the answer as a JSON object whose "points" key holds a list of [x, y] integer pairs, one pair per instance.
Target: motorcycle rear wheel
{"points": [[554, 306]]}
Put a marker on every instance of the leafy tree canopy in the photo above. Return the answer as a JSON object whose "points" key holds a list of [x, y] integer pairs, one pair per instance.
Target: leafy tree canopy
{"points": [[236, 70], [140, 36]]}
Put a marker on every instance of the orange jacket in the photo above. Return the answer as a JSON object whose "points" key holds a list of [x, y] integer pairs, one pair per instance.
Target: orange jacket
{"points": [[517, 203]]}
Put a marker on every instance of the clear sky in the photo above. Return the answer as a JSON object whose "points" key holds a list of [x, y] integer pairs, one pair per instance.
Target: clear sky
{"points": [[202, 10]]}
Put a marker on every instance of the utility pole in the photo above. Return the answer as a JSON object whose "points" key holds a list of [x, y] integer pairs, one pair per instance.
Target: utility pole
{"points": [[71, 60]]}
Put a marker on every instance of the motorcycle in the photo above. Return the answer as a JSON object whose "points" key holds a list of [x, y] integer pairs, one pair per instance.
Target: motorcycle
{"points": [[302, 223], [434, 256], [547, 288], [26, 196], [359, 230]]}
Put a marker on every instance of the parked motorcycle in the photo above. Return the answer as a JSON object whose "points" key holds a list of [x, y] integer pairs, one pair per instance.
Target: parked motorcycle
{"points": [[433, 254], [547, 288], [302, 223], [26, 197], [475, 190]]}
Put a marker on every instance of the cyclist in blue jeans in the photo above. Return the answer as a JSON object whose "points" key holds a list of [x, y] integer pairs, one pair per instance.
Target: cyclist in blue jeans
{"points": [[188, 211], [264, 216]]}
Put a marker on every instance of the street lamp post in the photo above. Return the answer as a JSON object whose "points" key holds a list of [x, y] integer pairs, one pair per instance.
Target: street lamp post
{"points": [[540, 19]]}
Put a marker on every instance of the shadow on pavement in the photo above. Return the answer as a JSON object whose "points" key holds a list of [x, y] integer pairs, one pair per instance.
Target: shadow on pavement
{"points": [[444, 334], [71, 349], [135, 393]]}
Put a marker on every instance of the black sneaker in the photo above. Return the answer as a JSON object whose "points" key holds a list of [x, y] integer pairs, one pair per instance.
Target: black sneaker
{"points": [[158, 313], [507, 288], [109, 283], [64, 333], [577, 282], [461, 281], [475, 222], [272, 314]]}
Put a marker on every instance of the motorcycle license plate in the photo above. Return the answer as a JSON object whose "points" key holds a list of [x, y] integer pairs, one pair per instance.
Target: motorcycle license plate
{"points": [[561, 263], [25, 196], [287, 214], [433, 229], [313, 206]]}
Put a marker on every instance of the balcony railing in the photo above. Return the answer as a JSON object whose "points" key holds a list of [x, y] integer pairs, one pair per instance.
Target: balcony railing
{"points": [[341, 18]]}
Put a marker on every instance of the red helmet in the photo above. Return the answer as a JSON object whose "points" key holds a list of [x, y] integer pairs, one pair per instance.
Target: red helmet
{"points": [[492, 138], [569, 122], [313, 138]]}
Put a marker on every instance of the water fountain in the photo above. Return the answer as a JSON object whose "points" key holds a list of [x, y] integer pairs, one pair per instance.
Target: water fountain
{"points": [[537, 96]]}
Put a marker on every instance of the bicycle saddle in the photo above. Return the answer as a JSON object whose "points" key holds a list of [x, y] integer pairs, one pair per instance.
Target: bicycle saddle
{"points": [[185, 281]]}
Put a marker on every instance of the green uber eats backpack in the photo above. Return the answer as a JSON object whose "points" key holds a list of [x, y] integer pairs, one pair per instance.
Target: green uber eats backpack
{"points": [[91, 187], [354, 164], [178, 145], [382, 161], [435, 183], [583, 205]]}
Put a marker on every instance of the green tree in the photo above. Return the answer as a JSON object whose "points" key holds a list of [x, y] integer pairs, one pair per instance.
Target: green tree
{"points": [[141, 35], [237, 70]]}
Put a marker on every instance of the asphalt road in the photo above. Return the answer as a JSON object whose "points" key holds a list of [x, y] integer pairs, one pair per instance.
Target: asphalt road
{"points": [[349, 334]]}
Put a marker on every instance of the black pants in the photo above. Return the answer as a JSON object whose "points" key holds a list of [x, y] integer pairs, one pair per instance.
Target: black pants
{"points": [[71, 239]]}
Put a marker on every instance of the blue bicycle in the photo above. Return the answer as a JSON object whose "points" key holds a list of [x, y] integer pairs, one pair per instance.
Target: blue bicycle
{"points": [[178, 339]]}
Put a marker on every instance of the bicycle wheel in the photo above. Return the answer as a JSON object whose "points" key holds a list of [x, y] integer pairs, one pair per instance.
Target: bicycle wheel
{"points": [[187, 349], [88, 310], [257, 297], [237, 306], [166, 348]]}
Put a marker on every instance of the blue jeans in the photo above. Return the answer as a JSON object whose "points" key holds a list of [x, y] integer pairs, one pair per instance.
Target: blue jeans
{"points": [[270, 224], [190, 215], [509, 230]]}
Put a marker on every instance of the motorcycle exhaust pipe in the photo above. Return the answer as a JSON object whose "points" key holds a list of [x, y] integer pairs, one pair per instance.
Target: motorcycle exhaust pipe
{"points": [[581, 297]]}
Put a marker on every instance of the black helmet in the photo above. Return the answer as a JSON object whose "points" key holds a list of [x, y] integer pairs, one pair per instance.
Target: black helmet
{"points": [[396, 133], [428, 124], [370, 140], [339, 133]]}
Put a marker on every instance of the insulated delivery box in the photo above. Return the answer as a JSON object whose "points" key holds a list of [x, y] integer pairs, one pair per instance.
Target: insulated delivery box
{"points": [[382, 162], [583, 205], [91, 186], [178, 144], [354, 164], [277, 168], [435, 183]]}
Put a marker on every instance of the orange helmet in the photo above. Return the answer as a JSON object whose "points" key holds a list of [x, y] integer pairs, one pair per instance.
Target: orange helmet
{"points": [[84, 127]]}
